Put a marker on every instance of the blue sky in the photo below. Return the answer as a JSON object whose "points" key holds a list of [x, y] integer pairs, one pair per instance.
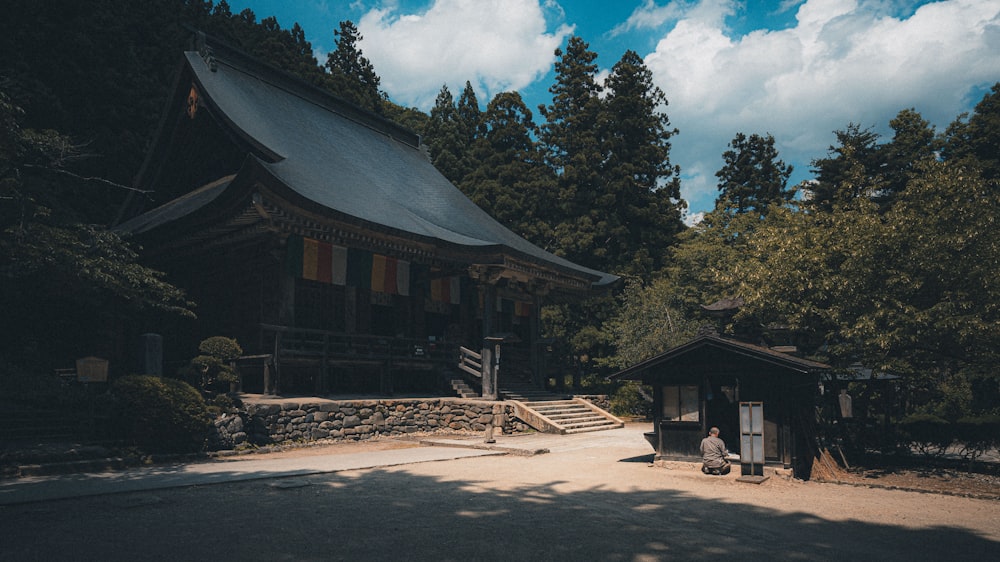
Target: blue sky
{"points": [[797, 69]]}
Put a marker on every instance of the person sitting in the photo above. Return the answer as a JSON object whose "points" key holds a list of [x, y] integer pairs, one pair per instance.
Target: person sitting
{"points": [[714, 453]]}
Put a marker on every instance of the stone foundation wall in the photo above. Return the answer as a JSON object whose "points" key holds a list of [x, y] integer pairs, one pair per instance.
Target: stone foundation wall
{"points": [[275, 422], [602, 401]]}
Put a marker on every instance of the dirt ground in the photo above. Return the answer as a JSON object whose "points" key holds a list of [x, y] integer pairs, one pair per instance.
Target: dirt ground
{"points": [[599, 501], [937, 480]]}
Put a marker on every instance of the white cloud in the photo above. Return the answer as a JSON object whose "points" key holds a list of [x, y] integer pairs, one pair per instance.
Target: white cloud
{"points": [[498, 45], [844, 61]]}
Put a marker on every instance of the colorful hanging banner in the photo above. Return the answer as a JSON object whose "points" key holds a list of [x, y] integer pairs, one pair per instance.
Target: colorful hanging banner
{"points": [[447, 290], [321, 261], [390, 275], [522, 309], [403, 278], [316, 260]]}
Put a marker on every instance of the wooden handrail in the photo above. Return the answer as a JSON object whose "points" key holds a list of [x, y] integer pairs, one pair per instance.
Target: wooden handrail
{"points": [[470, 361], [311, 341]]}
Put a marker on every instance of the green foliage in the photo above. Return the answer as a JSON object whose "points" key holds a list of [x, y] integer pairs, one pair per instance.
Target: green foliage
{"points": [[214, 365], [511, 181], [650, 321], [975, 140], [969, 436], [446, 138], [354, 77], [927, 433], [630, 400], [160, 415], [978, 434], [226, 349], [60, 274], [753, 178], [618, 198]]}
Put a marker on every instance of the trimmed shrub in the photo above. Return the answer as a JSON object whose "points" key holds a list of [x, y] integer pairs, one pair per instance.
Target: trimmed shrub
{"points": [[629, 400], [160, 415], [211, 370], [928, 433], [977, 435]]}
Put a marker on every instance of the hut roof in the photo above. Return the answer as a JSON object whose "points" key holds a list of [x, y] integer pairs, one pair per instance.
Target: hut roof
{"points": [[713, 347]]}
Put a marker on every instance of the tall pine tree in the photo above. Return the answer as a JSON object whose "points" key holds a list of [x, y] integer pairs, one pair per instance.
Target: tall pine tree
{"points": [[445, 138], [511, 180], [639, 207], [752, 177], [573, 149], [354, 77]]}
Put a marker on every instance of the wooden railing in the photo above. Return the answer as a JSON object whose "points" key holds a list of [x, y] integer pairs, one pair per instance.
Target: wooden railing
{"points": [[307, 342], [470, 362]]}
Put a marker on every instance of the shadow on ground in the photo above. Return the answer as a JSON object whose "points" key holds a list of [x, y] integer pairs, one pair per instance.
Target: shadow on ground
{"points": [[399, 515]]}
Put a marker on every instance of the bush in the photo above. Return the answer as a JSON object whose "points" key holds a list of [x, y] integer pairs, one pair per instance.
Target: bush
{"points": [[629, 400], [160, 415], [212, 368], [978, 435], [928, 433]]}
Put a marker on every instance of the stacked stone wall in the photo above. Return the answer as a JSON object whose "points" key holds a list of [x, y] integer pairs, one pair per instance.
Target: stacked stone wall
{"points": [[276, 422]]}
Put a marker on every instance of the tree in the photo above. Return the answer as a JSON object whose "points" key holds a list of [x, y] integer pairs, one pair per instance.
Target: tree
{"points": [[911, 290], [511, 180], [975, 140], [569, 137], [354, 75], [638, 209], [856, 151], [444, 134], [470, 117], [752, 177], [62, 277], [912, 144], [651, 320]]}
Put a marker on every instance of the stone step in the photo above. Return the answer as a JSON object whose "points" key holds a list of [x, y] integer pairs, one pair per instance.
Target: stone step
{"points": [[561, 415], [552, 404], [463, 389], [588, 423], [595, 428], [574, 415]]}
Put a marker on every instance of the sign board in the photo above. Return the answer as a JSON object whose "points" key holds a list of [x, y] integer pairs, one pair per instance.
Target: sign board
{"points": [[752, 438], [91, 369]]}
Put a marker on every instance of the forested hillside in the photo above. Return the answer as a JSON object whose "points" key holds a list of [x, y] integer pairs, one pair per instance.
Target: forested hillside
{"points": [[888, 258]]}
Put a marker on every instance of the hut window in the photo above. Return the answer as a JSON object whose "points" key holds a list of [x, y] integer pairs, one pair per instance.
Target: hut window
{"points": [[680, 403]]}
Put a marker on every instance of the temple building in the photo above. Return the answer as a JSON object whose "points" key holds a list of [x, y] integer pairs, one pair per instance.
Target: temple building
{"points": [[321, 237]]}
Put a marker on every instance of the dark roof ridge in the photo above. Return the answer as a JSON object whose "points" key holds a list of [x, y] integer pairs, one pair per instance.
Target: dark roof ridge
{"points": [[216, 51], [763, 353]]}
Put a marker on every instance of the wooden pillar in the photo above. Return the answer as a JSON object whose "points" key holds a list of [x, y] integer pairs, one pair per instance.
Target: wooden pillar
{"points": [[490, 390], [350, 310], [535, 337], [286, 300]]}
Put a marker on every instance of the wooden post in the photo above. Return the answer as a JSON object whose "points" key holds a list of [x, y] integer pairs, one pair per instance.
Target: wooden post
{"points": [[489, 359], [489, 373]]}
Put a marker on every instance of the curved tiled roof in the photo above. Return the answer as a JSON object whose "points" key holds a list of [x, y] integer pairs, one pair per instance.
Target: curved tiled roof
{"points": [[356, 165]]}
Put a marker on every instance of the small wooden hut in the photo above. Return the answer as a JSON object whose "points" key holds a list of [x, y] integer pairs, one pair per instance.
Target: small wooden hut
{"points": [[700, 384]]}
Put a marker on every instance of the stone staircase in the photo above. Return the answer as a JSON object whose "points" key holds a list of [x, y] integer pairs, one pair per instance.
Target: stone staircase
{"points": [[463, 389], [558, 413]]}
